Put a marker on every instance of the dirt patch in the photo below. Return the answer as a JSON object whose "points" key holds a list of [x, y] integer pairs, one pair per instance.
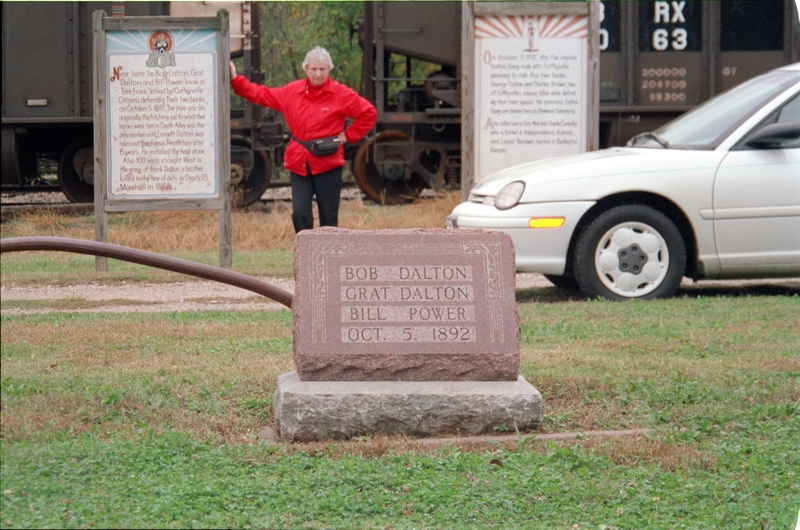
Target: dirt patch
{"points": [[152, 297]]}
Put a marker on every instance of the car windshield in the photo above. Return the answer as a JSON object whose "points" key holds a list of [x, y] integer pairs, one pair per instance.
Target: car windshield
{"points": [[705, 126]]}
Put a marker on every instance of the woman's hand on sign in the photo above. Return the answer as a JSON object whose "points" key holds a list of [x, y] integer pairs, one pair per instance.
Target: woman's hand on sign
{"points": [[233, 69]]}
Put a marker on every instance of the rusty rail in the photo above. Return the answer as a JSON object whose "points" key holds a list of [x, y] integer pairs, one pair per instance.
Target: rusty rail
{"points": [[143, 257]]}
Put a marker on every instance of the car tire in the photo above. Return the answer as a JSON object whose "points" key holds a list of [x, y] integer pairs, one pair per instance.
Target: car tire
{"points": [[628, 252], [565, 283]]}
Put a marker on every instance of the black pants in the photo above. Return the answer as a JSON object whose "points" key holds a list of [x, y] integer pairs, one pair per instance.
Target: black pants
{"points": [[328, 189]]}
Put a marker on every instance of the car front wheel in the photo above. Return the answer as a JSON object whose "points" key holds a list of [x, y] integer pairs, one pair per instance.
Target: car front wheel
{"points": [[630, 251]]}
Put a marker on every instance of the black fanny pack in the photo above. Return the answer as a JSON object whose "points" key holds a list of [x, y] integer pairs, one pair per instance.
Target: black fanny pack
{"points": [[322, 147]]}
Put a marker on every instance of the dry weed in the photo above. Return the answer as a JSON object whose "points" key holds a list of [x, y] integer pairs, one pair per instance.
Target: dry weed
{"points": [[634, 452]]}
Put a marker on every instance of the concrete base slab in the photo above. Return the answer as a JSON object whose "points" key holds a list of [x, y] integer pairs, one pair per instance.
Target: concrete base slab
{"points": [[323, 410]]}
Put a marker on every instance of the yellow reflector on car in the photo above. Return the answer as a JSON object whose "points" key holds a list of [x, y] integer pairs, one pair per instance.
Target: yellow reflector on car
{"points": [[546, 222]]}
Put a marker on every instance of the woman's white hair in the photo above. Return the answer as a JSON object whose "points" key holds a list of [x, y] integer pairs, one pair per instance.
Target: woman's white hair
{"points": [[318, 54]]}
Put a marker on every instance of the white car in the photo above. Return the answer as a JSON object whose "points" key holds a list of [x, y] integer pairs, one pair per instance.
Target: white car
{"points": [[713, 194]]}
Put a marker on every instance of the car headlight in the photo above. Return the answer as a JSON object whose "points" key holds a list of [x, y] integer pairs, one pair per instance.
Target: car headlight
{"points": [[509, 196]]}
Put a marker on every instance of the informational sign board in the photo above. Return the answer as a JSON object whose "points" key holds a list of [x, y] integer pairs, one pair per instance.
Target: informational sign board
{"points": [[162, 116], [161, 120], [531, 82]]}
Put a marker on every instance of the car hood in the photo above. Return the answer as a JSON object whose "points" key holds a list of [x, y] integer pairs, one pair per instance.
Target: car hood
{"points": [[591, 176]]}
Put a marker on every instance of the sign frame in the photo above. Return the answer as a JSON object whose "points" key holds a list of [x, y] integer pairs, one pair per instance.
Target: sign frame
{"points": [[214, 51], [471, 91]]}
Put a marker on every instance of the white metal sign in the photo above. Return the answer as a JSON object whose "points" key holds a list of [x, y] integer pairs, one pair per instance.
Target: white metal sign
{"points": [[530, 72], [162, 114]]}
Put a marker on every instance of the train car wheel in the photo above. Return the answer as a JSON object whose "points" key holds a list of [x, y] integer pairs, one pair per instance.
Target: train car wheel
{"points": [[76, 172], [378, 187], [250, 174]]}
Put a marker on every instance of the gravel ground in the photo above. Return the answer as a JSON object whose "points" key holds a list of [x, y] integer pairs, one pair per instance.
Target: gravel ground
{"points": [[145, 297], [47, 197]]}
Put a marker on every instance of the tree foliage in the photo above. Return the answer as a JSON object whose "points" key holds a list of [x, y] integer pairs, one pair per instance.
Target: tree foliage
{"points": [[290, 29]]}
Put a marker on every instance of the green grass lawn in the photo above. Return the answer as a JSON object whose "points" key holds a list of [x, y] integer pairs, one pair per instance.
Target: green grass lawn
{"points": [[152, 420]]}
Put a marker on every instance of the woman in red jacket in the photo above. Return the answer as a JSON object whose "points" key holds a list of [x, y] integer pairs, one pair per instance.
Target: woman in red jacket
{"points": [[315, 108]]}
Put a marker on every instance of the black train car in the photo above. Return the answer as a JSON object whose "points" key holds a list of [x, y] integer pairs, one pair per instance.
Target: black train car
{"points": [[48, 98], [658, 59]]}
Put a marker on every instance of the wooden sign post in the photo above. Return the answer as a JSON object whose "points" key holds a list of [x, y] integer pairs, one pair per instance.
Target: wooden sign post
{"points": [[162, 118], [529, 83]]}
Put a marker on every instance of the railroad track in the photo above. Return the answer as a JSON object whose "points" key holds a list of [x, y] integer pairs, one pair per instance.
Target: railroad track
{"points": [[9, 211]]}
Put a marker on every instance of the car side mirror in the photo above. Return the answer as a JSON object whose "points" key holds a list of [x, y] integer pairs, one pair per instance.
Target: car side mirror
{"points": [[775, 136]]}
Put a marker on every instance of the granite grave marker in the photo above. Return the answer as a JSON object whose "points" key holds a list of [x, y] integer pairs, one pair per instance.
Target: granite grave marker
{"points": [[405, 305]]}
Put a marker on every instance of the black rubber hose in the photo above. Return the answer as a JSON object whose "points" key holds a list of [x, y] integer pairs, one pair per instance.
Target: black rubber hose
{"points": [[143, 257]]}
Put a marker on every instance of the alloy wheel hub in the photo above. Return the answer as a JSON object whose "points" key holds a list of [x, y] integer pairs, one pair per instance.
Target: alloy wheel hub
{"points": [[632, 259]]}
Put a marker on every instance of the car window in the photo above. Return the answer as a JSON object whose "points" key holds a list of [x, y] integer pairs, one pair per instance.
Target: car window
{"points": [[790, 112], [705, 126]]}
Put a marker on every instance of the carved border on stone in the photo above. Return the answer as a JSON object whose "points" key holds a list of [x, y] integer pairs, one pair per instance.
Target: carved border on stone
{"points": [[319, 284], [493, 263]]}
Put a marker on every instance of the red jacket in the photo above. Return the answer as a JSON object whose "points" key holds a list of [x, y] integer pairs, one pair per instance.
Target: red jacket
{"points": [[312, 113]]}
